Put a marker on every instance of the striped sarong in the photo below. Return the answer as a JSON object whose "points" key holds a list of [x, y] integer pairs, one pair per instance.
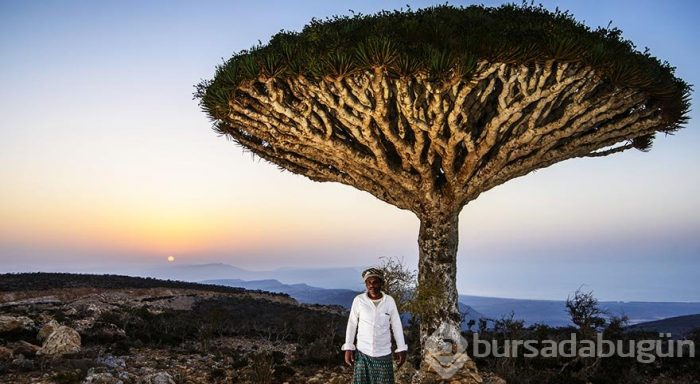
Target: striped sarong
{"points": [[373, 370]]}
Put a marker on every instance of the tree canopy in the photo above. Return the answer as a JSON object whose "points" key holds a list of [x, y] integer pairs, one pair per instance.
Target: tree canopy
{"points": [[427, 109], [446, 41]]}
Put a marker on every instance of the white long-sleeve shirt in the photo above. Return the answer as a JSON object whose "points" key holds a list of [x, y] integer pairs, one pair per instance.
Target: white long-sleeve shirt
{"points": [[372, 325]]}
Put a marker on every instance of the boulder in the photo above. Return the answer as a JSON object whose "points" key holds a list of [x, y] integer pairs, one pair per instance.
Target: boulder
{"points": [[15, 324], [47, 330], [64, 340]]}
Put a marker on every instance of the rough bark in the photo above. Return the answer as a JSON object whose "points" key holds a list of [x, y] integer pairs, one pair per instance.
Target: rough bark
{"points": [[437, 281], [437, 269]]}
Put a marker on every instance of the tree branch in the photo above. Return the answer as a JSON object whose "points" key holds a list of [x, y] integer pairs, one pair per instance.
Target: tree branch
{"points": [[422, 145]]}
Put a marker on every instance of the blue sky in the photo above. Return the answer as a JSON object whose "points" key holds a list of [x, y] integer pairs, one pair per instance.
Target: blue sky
{"points": [[106, 160]]}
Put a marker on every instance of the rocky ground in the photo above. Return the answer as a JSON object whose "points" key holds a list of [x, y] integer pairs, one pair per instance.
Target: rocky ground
{"points": [[249, 361], [86, 329], [60, 336], [81, 334]]}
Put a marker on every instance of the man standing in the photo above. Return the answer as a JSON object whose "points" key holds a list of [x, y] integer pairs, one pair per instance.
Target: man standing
{"points": [[372, 315]]}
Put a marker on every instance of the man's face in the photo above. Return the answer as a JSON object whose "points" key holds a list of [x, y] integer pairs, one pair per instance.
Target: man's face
{"points": [[374, 285]]}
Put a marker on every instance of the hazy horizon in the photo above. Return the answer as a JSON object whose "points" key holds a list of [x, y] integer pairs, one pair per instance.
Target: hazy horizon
{"points": [[107, 162], [555, 289]]}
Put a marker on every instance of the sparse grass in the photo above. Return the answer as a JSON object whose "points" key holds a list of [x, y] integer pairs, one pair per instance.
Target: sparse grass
{"points": [[442, 41]]}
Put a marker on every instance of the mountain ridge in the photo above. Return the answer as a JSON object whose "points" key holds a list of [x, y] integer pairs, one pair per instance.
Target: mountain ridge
{"points": [[532, 311]]}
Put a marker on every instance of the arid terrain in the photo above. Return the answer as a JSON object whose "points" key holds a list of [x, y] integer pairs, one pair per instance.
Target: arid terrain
{"points": [[99, 329], [106, 329]]}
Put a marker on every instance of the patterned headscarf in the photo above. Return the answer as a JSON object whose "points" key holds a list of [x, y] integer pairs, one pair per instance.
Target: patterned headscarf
{"points": [[373, 272]]}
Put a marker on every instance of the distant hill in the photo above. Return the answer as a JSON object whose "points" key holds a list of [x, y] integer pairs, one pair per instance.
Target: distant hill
{"points": [[548, 312], [197, 272], [329, 278], [315, 295], [44, 280], [553, 312], [470, 314], [678, 326], [639, 311], [301, 292]]}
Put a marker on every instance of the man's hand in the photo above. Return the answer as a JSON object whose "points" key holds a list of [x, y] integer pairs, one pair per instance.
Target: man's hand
{"points": [[400, 358], [349, 358]]}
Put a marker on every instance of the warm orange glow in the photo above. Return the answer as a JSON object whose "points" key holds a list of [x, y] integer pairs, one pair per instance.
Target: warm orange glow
{"points": [[187, 223]]}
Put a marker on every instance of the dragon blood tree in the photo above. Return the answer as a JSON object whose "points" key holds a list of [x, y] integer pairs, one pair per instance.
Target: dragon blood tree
{"points": [[428, 109]]}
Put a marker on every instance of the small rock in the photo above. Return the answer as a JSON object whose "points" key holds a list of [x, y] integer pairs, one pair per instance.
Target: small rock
{"points": [[63, 340], [84, 324], [47, 330], [145, 371], [107, 333], [110, 361], [22, 363], [157, 378], [335, 379], [5, 354], [127, 377], [44, 318], [15, 324], [70, 311], [101, 378], [470, 365], [24, 348], [490, 378]]}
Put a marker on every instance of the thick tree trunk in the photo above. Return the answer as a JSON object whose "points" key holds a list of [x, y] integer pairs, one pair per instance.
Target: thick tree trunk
{"points": [[440, 317]]}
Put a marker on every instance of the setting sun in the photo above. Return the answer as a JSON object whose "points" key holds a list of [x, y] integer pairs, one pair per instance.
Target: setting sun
{"points": [[171, 259]]}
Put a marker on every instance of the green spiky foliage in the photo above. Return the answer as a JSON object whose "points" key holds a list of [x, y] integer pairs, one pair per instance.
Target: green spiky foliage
{"points": [[443, 41]]}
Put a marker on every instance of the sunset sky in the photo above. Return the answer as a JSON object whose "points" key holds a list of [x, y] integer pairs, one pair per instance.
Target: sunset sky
{"points": [[107, 162]]}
